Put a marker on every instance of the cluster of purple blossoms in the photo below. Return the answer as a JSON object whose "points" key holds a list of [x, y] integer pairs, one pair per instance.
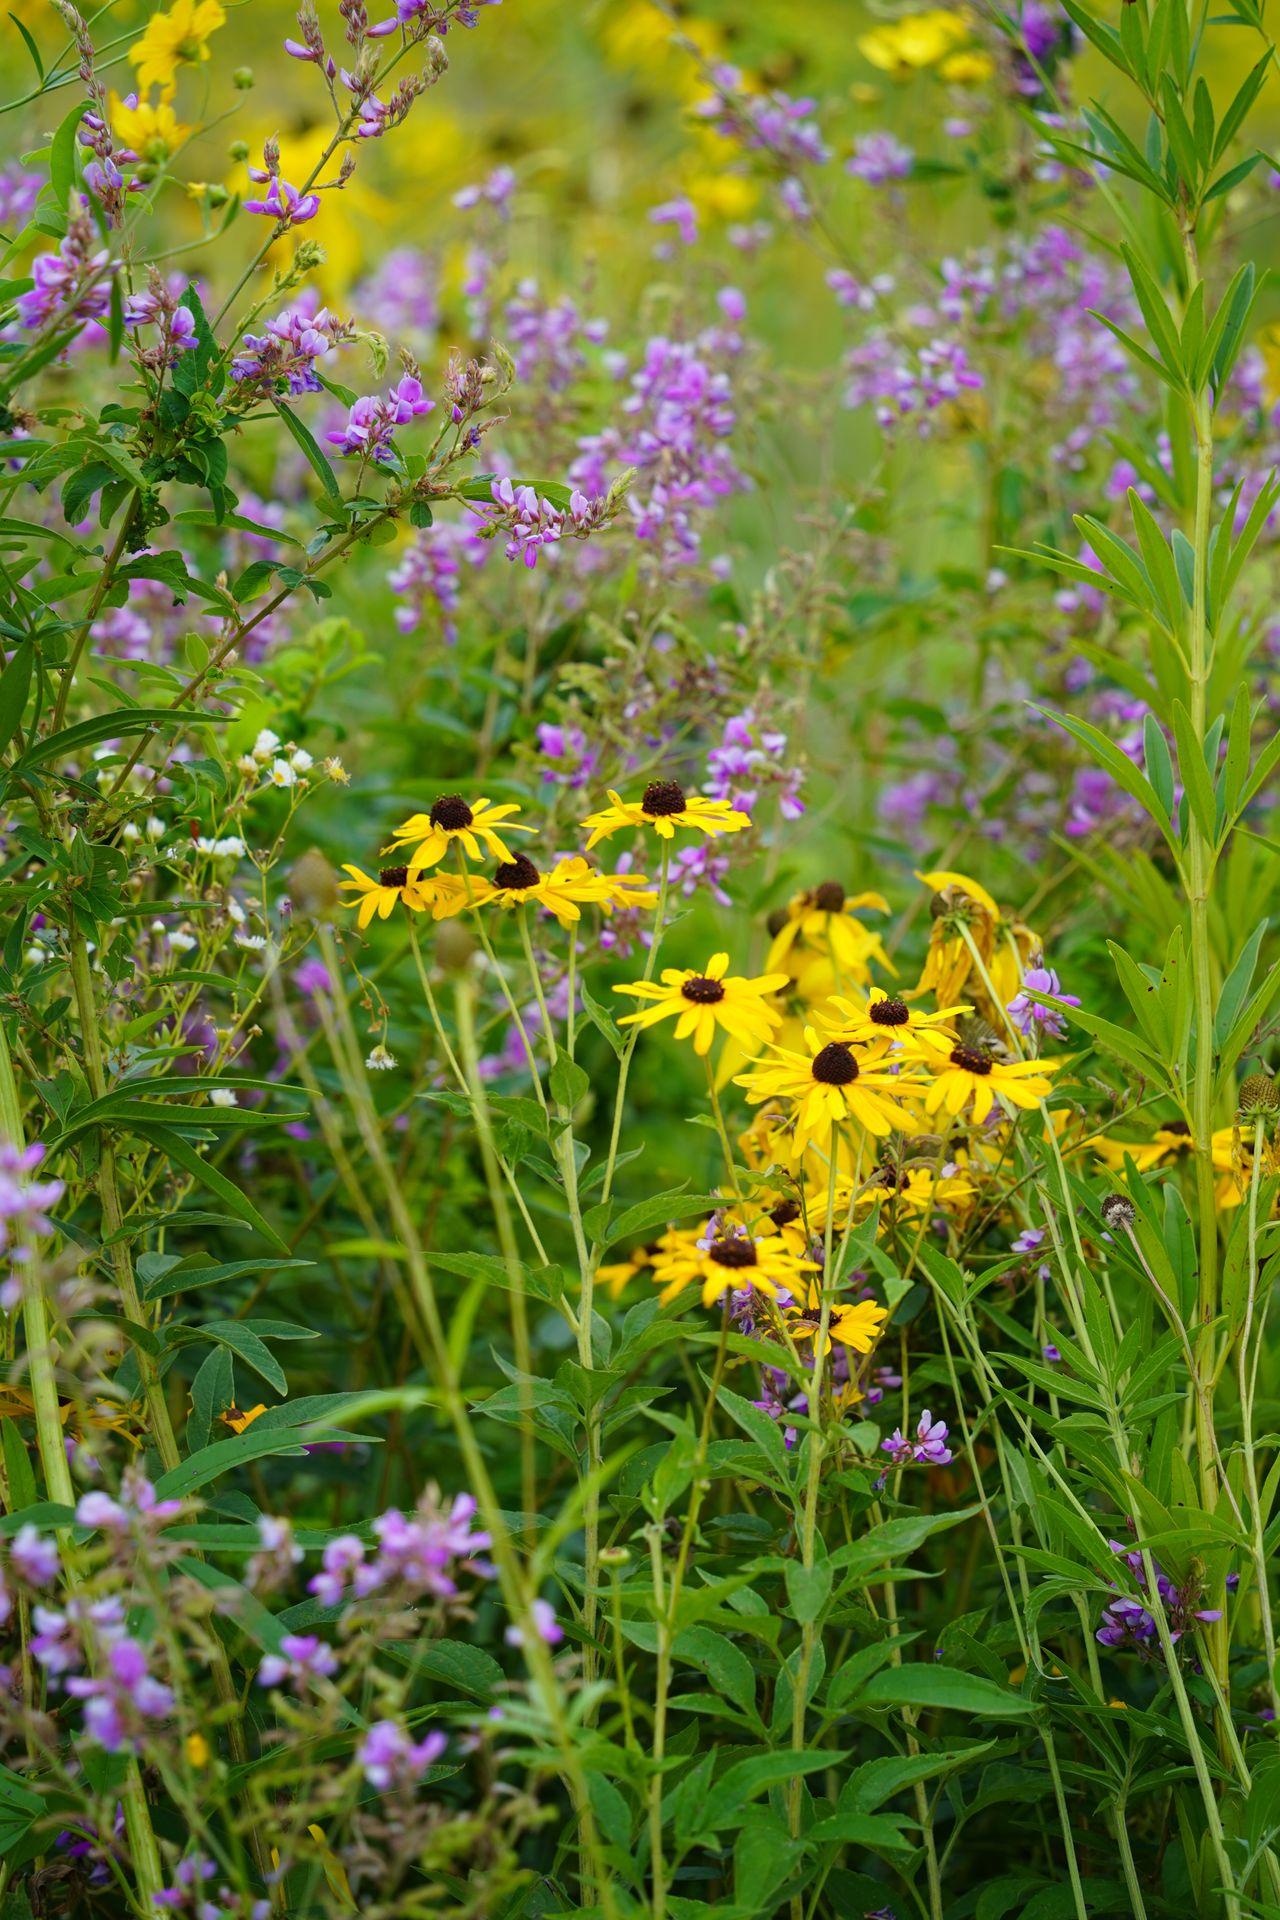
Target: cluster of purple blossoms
{"points": [[547, 339], [420, 1553], [680, 415], [679, 214], [175, 325], [429, 574], [419, 17], [393, 1760], [33, 1560], [926, 1448], [282, 201], [494, 191], [401, 297], [24, 1201], [570, 756], [531, 522], [775, 123], [1127, 1624], [749, 757], [19, 191], [371, 424], [903, 382], [879, 159], [71, 285], [1029, 1017], [191, 1894], [119, 1693], [106, 175], [284, 357], [300, 1659]]}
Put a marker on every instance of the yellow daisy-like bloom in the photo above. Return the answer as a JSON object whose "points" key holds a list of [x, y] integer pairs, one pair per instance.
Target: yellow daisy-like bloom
{"points": [[968, 68], [827, 1087], [1171, 1137], [439, 894], [474, 824], [731, 1259], [822, 919], [571, 884], [857, 1324], [664, 806], [178, 38], [916, 41], [618, 1273], [153, 132], [906, 1190], [701, 1002], [888, 1023], [238, 1421], [972, 1073], [1231, 1149]]}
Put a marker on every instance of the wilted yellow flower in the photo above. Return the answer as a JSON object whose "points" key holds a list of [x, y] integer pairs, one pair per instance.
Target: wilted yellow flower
{"points": [[178, 38]]}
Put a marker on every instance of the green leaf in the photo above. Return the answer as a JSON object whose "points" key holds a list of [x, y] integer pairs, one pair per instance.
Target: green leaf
{"points": [[15, 683], [247, 1346], [808, 1590], [921, 1685], [568, 1082], [1119, 766], [311, 448], [169, 1143], [180, 1279], [62, 155], [1195, 774], [726, 1803], [633, 1223]]}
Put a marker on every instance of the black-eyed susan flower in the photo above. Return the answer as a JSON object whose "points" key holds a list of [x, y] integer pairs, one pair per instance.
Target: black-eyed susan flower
{"points": [[173, 39], [1003, 946], [569, 886], [854, 1323], [907, 1189], [615, 1275], [1170, 1139], [664, 806], [701, 1002], [889, 1023], [729, 1258], [238, 1419], [972, 1073], [474, 824], [393, 887], [827, 1087], [822, 919]]}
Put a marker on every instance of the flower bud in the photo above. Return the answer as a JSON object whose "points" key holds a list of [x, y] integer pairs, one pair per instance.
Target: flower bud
{"points": [[454, 946], [313, 886], [242, 79]]}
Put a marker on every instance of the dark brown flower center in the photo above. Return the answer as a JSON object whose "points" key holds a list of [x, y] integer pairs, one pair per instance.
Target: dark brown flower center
{"points": [[728, 1250], [393, 877], [517, 875], [889, 1013], [703, 992], [662, 797], [1179, 1127], [971, 1059], [829, 897], [893, 1179], [452, 813], [784, 1213], [835, 1066]]}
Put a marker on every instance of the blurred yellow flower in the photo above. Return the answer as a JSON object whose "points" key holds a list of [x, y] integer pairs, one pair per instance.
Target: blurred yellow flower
{"points": [[724, 196], [178, 38], [968, 68], [916, 41]]}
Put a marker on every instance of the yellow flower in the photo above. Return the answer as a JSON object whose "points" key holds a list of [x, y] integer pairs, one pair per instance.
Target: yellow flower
{"points": [[1002, 945], [826, 1087], [196, 1748], [571, 884], [822, 918], [472, 823], [664, 806], [857, 1324], [1171, 1137], [730, 1258], [971, 1072], [237, 1421], [153, 132], [440, 894], [616, 1274], [888, 1024], [175, 39], [701, 1002], [904, 1190], [916, 41], [969, 68]]}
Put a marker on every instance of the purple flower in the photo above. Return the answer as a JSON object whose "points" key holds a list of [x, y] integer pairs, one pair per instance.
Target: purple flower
{"points": [[1029, 1017], [372, 422], [302, 1658], [282, 201], [119, 1695], [879, 158], [72, 284], [34, 1557], [545, 1625], [928, 1448], [24, 1202], [390, 1757], [284, 357]]}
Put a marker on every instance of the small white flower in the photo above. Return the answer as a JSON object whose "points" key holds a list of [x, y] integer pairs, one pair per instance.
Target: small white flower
{"points": [[182, 942], [222, 1097], [230, 847], [335, 770], [265, 744], [380, 1061], [281, 774], [36, 956], [155, 827], [300, 760], [255, 942], [247, 764], [130, 832]]}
